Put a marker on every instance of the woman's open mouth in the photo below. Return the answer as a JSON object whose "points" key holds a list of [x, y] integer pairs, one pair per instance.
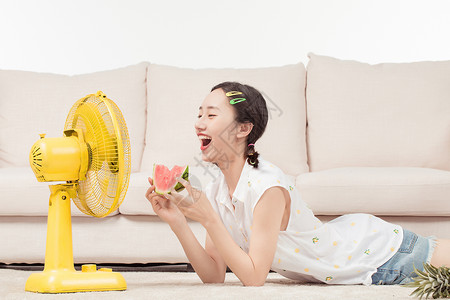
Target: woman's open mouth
{"points": [[205, 141]]}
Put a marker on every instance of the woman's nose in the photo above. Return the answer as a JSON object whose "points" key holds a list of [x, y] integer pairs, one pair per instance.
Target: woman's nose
{"points": [[199, 124]]}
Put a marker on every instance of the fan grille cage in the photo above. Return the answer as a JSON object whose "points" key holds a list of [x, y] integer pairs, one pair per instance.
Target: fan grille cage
{"points": [[107, 139]]}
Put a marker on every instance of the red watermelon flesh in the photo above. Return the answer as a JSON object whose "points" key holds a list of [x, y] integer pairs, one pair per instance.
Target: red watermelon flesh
{"points": [[164, 179]]}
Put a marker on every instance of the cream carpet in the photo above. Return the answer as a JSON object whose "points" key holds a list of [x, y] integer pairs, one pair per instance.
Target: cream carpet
{"points": [[177, 285]]}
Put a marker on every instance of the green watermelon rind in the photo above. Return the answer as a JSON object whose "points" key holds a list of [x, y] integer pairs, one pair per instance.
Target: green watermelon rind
{"points": [[178, 187]]}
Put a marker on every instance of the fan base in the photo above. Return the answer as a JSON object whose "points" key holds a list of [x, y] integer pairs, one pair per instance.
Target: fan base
{"points": [[71, 281]]}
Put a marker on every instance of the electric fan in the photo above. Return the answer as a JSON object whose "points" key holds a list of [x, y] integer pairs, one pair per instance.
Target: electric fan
{"points": [[93, 158]]}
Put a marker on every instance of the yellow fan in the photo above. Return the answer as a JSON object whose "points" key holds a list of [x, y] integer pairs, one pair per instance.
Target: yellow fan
{"points": [[93, 157]]}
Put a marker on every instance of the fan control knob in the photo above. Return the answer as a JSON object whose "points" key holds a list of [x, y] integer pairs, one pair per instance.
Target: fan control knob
{"points": [[89, 268]]}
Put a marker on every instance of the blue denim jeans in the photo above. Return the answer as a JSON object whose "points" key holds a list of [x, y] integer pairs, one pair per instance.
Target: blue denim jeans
{"points": [[415, 250]]}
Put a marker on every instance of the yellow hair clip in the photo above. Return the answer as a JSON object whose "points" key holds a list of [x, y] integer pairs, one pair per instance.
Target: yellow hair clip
{"points": [[233, 93]]}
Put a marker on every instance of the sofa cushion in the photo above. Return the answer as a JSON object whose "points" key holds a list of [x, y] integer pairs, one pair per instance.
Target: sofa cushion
{"points": [[121, 239], [384, 115], [33, 103], [389, 191], [22, 195], [174, 95]]}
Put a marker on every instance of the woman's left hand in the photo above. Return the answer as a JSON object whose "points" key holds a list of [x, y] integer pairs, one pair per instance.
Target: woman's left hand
{"points": [[196, 206]]}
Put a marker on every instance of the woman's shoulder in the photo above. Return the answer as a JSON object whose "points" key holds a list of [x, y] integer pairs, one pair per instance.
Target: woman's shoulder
{"points": [[266, 168], [268, 174]]}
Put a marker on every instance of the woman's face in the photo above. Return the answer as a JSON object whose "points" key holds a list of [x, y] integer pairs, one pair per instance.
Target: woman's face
{"points": [[217, 129]]}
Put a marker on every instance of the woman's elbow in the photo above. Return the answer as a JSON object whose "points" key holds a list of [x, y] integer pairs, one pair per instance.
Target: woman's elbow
{"points": [[254, 282], [213, 281], [218, 279]]}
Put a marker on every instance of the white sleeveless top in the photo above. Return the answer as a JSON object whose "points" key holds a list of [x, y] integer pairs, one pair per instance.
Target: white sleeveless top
{"points": [[346, 250]]}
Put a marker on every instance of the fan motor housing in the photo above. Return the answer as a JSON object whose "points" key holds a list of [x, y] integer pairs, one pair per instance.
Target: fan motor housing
{"points": [[56, 159]]}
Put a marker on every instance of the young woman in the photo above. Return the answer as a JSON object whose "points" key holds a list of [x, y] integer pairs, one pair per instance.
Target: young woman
{"points": [[256, 220]]}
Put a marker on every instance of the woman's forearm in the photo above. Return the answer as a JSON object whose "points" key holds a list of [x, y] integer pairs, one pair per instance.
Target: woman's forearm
{"points": [[205, 267], [237, 260]]}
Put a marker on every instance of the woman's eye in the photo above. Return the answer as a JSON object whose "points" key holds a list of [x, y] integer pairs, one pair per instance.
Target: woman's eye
{"points": [[199, 116]]}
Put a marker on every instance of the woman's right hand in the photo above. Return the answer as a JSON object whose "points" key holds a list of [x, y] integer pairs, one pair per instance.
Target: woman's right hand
{"points": [[164, 208]]}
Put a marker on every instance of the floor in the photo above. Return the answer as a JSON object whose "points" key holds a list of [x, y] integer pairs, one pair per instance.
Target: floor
{"points": [[178, 281]]}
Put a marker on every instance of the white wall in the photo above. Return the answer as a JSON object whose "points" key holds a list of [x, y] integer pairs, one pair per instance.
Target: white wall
{"points": [[73, 37]]}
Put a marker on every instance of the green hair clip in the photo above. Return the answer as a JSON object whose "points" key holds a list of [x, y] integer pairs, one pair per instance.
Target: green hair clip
{"points": [[237, 100]]}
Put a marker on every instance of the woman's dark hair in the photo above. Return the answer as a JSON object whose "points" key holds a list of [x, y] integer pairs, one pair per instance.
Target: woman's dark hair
{"points": [[253, 109]]}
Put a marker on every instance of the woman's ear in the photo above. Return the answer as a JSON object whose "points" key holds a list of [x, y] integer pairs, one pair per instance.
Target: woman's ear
{"points": [[244, 129]]}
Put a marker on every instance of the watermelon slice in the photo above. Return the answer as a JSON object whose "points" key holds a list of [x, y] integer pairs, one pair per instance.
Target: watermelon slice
{"points": [[164, 179]]}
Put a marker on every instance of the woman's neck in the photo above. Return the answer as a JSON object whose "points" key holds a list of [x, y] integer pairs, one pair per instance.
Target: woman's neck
{"points": [[232, 171]]}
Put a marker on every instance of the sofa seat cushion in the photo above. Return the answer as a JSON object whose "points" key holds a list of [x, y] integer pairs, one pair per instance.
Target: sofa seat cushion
{"points": [[384, 115], [120, 239], [33, 103], [380, 191], [174, 95], [22, 195], [136, 239]]}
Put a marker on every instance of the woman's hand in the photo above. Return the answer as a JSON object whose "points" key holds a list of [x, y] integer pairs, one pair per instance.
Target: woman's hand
{"points": [[196, 206], [164, 208]]}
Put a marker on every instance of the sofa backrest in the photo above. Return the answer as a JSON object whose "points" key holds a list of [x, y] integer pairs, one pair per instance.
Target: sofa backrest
{"points": [[357, 114], [174, 95], [384, 115], [32, 103]]}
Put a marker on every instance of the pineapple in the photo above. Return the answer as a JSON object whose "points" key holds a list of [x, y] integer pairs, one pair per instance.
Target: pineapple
{"points": [[432, 281]]}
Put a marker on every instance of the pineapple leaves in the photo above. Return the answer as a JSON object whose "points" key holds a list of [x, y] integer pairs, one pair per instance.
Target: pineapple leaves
{"points": [[432, 281]]}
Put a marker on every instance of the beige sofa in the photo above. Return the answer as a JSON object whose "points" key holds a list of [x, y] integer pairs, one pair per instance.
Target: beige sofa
{"points": [[353, 137]]}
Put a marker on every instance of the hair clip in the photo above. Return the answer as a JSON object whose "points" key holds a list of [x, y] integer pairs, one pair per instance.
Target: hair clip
{"points": [[233, 93], [251, 145], [237, 100]]}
